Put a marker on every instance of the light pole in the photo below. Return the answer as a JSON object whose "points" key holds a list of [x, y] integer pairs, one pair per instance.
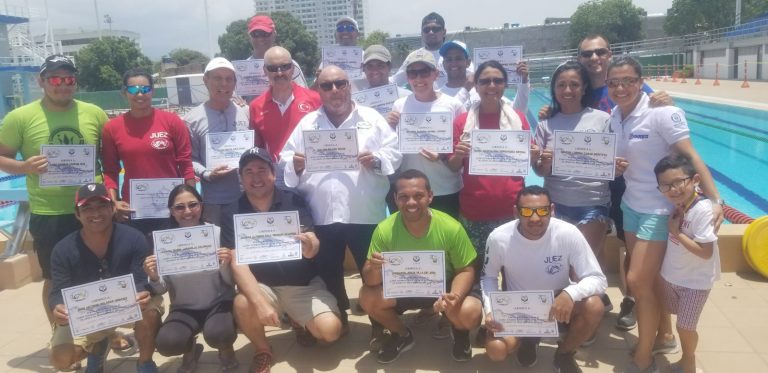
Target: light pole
{"points": [[98, 19], [108, 21]]}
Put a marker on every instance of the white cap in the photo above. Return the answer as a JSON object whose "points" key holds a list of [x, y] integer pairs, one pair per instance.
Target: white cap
{"points": [[219, 62], [348, 19]]}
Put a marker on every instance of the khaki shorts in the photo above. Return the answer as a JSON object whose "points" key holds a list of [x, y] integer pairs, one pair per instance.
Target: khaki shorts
{"points": [[62, 334], [301, 303]]}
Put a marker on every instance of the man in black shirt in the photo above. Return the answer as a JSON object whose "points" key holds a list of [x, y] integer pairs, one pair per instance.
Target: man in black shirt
{"points": [[269, 289]]}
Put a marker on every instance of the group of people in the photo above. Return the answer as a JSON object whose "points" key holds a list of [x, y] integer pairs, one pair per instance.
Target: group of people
{"points": [[490, 227]]}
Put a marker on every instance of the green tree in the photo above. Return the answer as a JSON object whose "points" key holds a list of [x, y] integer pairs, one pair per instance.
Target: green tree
{"points": [[375, 37], [619, 20], [184, 57], [291, 34], [692, 16], [101, 63]]}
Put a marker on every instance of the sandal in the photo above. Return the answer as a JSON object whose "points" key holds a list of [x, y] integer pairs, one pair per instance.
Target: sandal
{"points": [[228, 363], [261, 363], [130, 347], [190, 358], [73, 368]]}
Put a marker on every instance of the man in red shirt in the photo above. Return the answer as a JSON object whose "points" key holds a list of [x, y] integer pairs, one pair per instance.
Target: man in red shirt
{"points": [[275, 113]]}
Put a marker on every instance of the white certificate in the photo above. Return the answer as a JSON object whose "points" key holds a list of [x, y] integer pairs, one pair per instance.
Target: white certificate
{"points": [[68, 165], [185, 250], [251, 80], [225, 148], [506, 56], [379, 98], [430, 131], [500, 152], [409, 274], [590, 155], [267, 237], [349, 59], [331, 150], [100, 305], [149, 197], [523, 313]]}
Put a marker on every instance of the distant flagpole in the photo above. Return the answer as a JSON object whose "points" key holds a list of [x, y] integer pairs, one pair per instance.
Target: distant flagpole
{"points": [[98, 19], [208, 29]]}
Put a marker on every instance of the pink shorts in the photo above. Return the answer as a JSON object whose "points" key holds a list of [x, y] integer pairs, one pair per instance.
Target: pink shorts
{"points": [[686, 303]]}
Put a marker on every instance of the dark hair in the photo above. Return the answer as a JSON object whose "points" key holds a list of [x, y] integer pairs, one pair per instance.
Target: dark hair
{"points": [[413, 174], [532, 190], [433, 17], [588, 97], [137, 72], [493, 64], [626, 61], [596, 36], [178, 189], [674, 161]]}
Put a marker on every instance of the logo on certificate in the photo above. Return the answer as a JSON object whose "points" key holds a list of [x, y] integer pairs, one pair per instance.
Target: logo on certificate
{"points": [[248, 223], [288, 219], [314, 138], [270, 220], [524, 299], [204, 232], [52, 153], [606, 140], [103, 288], [78, 295], [71, 151], [587, 139], [188, 235], [141, 187], [395, 260], [482, 139], [503, 301], [566, 140], [166, 239]]}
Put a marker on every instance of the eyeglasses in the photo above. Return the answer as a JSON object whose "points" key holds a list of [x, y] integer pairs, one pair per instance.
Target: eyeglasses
{"points": [[488, 81], [421, 73], [346, 27], [527, 212], [136, 89], [57, 81], [432, 29], [339, 84], [624, 82], [276, 68], [182, 207], [600, 52], [260, 34], [677, 184]]}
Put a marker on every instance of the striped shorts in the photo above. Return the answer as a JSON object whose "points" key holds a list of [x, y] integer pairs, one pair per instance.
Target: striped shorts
{"points": [[686, 303]]}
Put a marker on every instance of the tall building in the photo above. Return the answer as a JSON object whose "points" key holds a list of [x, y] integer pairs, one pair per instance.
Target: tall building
{"points": [[318, 16]]}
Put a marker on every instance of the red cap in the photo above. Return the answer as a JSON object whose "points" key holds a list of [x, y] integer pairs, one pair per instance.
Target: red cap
{"points": [[263, 23]]}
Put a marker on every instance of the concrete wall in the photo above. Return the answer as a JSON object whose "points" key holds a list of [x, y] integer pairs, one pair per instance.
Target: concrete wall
{"points": [[731, 56]]}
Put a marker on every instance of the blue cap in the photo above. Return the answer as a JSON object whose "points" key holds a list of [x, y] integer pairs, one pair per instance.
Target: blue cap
{"points": [[454, 44]]}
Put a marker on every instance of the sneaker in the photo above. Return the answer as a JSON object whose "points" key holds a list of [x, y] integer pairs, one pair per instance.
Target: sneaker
{"points": [[97, 357], [626, 319], [678, 368], [443, 330], [480, 337], [633, 368], [190, 358], [565, 363], [424, 316], [378, 337], [261, 363], [394, 345], [607, 305], [303, 337], [146, 367], [667, 347], [344, 323], [590, 341], [462, 351], [227, 360], [526, 353]]}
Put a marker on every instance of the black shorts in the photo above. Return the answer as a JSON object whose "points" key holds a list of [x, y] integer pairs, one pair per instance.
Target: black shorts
{"points": [[405, 304], [47, 231]]}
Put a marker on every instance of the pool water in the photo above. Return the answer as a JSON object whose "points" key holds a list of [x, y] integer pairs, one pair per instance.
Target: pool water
{"points": [[733, 142]]}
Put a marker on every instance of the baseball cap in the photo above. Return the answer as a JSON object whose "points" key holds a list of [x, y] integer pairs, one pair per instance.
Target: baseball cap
{"points": [[91, 190], [421, 55], [377, 52], [454, 44], [348, 19], [219, 62], [263, 23], [254, 154], [433, 17], [57, 61]]}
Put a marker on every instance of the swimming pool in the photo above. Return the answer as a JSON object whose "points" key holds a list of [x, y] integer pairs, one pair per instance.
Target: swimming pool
{"points": [[733, 141]]}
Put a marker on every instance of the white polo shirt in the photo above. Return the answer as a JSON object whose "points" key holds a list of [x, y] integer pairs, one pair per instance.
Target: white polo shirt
{"points": [[352, 197], [643, 138]]}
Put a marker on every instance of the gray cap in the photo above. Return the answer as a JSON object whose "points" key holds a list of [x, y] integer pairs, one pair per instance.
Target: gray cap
{"points": [[421, 55], [377, 52]]}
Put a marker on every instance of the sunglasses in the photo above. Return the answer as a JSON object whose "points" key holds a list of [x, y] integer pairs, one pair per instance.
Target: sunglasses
{"points": [[276, 68], [422, 73], [624, 82], [339, 84], [260, 34], [182, 207], [488, 81], [432, 29], [677, 184], [57, 81], [136, 89], [346, 27], [527, 212], [600, 52]]}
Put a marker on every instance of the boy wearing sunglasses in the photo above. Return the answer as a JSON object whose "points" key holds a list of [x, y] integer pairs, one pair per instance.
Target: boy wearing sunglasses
{"points": [[56, 119], [538, 252]]}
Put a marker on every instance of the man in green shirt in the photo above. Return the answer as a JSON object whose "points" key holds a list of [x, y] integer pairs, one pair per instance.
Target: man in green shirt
{"points": [[56, 119], [416, 227]]}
